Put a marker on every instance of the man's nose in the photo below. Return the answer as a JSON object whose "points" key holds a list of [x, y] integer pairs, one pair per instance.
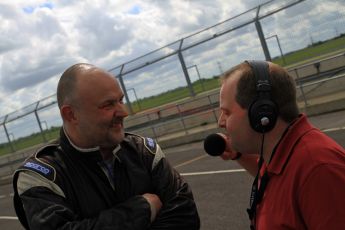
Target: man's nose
{"points": [[221, 121], [121, 111]]}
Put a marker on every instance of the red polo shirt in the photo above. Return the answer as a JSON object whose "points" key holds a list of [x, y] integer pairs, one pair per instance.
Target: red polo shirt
{"points": [[306, 189]]}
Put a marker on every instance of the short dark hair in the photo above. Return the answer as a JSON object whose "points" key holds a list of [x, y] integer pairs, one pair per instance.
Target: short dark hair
{"points": [[67, 83], [283, 89]]}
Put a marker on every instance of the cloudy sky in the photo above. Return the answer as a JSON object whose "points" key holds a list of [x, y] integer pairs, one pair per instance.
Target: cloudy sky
{"points": [[39, 39]]}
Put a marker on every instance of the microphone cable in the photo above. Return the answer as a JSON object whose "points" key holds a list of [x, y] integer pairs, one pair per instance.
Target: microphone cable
{"points": [[257, 191]]}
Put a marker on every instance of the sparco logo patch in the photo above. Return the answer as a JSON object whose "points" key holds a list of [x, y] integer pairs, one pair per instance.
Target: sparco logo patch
{"points": [[150, 142], [37, 167]]}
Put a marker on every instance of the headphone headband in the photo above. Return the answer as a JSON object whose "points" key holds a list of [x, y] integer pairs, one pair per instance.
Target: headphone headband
{"points": [[261, 74], [262, 112]]}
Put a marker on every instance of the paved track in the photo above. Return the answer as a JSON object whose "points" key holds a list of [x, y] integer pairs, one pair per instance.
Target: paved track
{"points": [[221, 189]]}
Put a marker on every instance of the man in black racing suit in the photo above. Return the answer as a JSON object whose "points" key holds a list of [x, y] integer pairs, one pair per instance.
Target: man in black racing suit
{"points": [[96, 176]]}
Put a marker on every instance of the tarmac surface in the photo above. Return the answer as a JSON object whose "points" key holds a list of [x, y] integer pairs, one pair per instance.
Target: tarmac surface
{"points": [[221, 188]]}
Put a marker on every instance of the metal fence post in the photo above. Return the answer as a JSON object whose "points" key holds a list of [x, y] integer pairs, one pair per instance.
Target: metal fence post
{"points": [[262, 36], [181, 118], [214, 112], [302, 91], [129, 104], [185, 71], [39, 122], [152, 126], [8, 136]]}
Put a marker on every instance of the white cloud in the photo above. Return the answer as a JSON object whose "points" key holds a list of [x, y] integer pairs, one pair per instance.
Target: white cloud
{"points": [[40, 38]]}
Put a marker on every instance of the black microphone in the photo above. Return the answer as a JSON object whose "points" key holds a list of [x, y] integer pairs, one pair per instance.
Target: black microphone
{"points": [[214, 144]]}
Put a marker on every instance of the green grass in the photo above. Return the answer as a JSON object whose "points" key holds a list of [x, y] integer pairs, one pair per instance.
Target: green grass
{"points": [[308, 53], [312, 52], [29, 141], [174, 95]]}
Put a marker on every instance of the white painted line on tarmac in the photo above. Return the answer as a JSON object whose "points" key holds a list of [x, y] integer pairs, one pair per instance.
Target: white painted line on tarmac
{"points": [[332, 129], [8, 218], [213, 172], [4, 196]]}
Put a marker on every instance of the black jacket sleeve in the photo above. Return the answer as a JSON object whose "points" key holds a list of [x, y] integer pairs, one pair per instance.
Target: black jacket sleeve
{"points": [[179, 210], [47, 210]]}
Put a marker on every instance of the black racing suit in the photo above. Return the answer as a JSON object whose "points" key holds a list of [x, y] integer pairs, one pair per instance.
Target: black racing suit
{"points": [[75, 192]]}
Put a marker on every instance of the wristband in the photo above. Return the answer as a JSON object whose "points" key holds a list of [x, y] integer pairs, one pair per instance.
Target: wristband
{"points": [[238, 156]]}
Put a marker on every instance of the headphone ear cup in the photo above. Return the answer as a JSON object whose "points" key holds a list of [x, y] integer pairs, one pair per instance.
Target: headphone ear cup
{"points": [[262, 115]]}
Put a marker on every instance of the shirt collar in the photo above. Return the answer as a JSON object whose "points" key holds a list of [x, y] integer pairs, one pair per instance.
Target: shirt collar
{"points": [[285, 148], [85, 150]]}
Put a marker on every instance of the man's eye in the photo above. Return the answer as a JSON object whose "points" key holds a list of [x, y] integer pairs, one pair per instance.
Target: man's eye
{"points": [[107, 106], [225, 113]]}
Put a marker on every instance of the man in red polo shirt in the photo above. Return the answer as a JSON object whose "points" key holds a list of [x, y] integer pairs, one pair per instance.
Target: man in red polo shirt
{"points": [[299, 171]]}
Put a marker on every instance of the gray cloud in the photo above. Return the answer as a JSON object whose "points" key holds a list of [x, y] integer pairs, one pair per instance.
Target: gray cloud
{"points": [[36, 47], [7, 11], [32, 48], [9, 39], [99, 34], [25, 76], [8, 44]]}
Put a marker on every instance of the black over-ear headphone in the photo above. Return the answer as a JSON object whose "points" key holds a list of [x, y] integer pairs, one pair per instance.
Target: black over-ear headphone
{"points": [[262, 112]]}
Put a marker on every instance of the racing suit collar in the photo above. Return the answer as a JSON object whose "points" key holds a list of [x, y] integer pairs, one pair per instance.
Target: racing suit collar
{"points": [[85, 150], [67, 144]]}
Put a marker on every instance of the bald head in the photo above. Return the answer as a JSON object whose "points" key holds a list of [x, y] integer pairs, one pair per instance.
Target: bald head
{"points": [[68, 82], [91, 106]]}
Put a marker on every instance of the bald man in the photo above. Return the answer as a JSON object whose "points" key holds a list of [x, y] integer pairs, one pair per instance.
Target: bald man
{"points": [[96, 176]]}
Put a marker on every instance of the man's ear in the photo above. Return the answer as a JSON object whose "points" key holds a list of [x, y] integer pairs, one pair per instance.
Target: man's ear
{"points": [[68, 113]]}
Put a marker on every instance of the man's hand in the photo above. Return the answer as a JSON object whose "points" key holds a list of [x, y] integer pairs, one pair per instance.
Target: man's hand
{"points": [[155, 204]]}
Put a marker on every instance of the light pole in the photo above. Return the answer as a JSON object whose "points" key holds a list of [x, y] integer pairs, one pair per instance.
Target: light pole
{"points": [[197, 71], [280, 49], [220, 68], [135, 95]]}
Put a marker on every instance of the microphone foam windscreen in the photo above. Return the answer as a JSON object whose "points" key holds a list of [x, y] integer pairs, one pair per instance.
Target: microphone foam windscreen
{"points": [[214, 145]]}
